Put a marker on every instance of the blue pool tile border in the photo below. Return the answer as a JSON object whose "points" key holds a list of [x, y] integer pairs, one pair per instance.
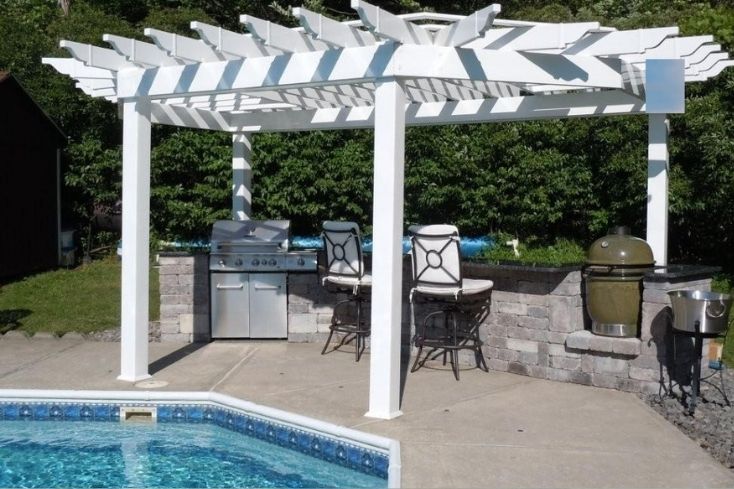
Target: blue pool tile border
{"points": [[333, 450]]}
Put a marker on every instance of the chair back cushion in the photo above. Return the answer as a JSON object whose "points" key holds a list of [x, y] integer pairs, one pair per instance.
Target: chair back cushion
{"points": [[343, 245], [436, 255]]}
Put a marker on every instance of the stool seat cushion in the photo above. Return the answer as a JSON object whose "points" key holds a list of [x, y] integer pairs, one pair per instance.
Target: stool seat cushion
{"points": [[468, 287], [347, 281]]}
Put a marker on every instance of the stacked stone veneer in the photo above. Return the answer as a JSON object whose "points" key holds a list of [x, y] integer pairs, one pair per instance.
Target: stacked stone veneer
{"points": [[538, 327], [536, 323], [311, 305], [532, 312], [184, 290], [310, 308]]}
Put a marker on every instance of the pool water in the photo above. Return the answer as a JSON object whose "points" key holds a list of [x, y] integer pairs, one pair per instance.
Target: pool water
{"points": [[110, 454], [468, 247]]}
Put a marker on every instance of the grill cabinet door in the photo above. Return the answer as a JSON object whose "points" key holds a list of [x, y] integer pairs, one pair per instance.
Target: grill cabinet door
{"points": [[229, 305], [268, 305]]}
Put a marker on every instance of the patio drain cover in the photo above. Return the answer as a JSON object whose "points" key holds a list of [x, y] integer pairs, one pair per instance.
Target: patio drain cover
{"points": [[151, 384]]}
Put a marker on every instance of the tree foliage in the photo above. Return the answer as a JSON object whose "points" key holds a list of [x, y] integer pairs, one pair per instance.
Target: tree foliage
{"points": [[537, 180]]}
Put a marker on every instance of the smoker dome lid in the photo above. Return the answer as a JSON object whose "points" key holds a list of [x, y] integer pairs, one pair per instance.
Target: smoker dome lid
{"points": [[620, 248]]}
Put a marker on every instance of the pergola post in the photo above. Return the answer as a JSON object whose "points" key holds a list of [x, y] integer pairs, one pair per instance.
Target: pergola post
{"points": [[135, 239], [657, 187], [241, 176], [387, 258], [665, 94]]}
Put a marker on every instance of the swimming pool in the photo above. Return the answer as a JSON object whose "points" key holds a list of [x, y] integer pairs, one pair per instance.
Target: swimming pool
{"points": [[468, 247], [73, 439]]}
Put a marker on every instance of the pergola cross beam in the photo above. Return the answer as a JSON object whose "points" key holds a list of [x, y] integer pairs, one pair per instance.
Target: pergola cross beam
{"points": [[334, 67]]}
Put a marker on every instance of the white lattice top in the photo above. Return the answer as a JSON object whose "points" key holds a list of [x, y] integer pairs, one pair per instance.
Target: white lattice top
{"points": [[323, 74]]}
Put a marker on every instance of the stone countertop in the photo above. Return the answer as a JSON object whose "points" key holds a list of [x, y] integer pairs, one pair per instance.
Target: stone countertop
{"points": [[681, 272], [182, 253], [659, 274], [521, 267]]}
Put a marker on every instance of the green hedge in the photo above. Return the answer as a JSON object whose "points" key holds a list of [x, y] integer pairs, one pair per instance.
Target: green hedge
{"points": [[540, 181]]}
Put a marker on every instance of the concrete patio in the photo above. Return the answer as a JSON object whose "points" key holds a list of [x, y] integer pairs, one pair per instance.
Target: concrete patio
{"points": [[488, 430]]}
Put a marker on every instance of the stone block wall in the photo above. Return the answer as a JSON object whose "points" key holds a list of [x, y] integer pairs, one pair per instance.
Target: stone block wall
{"points": [[310, 308], [536, 324], [184, 294], [532, 311]]}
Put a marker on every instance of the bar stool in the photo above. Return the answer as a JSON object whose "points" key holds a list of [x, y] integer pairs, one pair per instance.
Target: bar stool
{"points": [[437, 279], [345, 273]]}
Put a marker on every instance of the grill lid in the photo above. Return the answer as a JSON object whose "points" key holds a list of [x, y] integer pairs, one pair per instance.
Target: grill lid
{"points": [[245, 234]]}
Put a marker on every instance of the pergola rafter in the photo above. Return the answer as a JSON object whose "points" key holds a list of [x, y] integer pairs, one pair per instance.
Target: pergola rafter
{"points": [[431, 75], [96, 57], [283, 38], [233, 43], [332, 32], [186, 48], [380, 71], [143, 54]]}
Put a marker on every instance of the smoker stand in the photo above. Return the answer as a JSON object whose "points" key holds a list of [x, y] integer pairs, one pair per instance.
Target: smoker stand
{"points": [[696, 380]]}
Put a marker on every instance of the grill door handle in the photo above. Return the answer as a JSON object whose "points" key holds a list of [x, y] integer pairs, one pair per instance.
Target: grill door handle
{"points": [[267, 287], [230, 287]]}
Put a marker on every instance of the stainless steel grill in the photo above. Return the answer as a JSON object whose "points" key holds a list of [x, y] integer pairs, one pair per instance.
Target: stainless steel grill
{"points": [[249, 264]]}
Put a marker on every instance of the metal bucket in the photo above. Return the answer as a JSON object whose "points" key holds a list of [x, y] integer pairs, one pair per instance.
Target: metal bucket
{"points": [[699, 311]]}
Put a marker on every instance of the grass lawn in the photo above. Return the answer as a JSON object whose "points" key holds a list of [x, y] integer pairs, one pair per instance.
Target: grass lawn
{"points": [[728, 353], [84, 299]]}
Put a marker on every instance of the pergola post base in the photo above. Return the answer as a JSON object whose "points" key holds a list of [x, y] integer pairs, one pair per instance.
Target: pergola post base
{"points": [[133, 379]]}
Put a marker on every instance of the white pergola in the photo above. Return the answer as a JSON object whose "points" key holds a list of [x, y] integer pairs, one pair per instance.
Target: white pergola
{"points": [[382, 71]]}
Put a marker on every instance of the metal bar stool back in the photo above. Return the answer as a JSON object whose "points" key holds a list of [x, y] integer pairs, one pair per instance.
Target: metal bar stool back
{"points": [[436, 258]]}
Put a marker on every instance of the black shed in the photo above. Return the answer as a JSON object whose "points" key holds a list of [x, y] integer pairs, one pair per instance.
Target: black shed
{"points": [[30, 149]]}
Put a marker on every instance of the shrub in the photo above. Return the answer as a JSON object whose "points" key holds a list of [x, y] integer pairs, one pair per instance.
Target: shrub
{"points": [[562, 252]]}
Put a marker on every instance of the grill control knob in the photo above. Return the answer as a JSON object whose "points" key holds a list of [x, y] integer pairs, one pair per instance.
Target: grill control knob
{"points": [[255, 262], [238, 262], [222, 263], [272, 262], [300, 261]]}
